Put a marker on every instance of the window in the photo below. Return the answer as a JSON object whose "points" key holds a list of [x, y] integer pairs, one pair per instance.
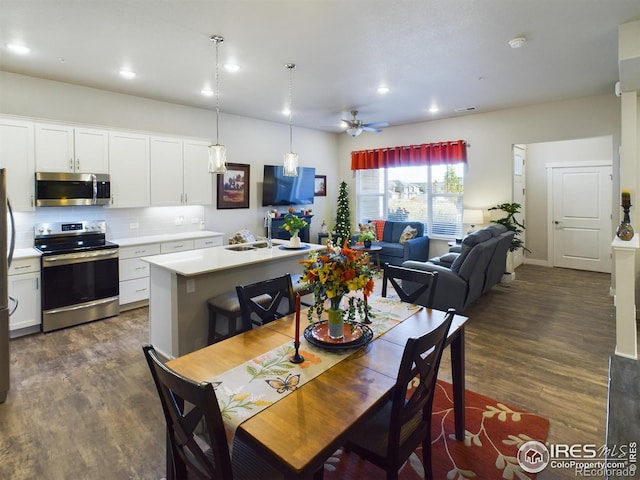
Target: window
{"points": [[428, 194]]}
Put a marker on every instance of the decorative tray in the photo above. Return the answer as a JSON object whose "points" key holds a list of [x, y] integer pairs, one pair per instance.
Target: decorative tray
{"points": [[301, 247], [355, 335]]}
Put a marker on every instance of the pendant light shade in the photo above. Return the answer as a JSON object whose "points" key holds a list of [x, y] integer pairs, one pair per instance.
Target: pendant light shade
{"points": [[290, 164], [217, 152]]}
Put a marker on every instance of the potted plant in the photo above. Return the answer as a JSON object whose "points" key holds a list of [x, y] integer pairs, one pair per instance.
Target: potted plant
{"points": [[510, 221], [366, 238], [293, 224]]}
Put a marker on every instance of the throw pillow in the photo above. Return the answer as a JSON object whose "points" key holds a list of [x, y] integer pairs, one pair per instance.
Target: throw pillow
{"points": [[408, 233], [379, 227]]}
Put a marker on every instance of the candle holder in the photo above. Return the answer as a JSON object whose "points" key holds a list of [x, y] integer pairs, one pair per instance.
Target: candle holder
{"points": [[296, 357], [625, 230]]}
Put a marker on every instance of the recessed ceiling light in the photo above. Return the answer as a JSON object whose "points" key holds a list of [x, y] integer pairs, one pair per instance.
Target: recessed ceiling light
{"points": [[286, 111], [18, 49], [128, 74], [517, 42], [434, 109], [383, 90], [207, 92], [231, 67]]}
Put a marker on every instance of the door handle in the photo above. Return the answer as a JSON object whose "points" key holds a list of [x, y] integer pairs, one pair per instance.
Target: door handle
{"points": [[557, 222]]}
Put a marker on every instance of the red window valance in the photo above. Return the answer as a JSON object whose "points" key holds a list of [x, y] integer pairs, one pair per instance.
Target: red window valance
{"points": [[410, 155]]}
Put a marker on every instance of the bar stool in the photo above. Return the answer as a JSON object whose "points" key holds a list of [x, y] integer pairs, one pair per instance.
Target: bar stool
{"points": [[227, 305]]}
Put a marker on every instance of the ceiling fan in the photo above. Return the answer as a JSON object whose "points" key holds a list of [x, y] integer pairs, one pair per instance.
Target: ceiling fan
{"points": [[355, 127]]}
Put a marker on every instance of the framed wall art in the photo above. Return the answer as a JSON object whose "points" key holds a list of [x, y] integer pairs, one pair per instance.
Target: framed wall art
{"points": [[320, 187], [233, 187]]}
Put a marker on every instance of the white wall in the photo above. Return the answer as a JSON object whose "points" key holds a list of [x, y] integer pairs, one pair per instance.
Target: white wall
{"points": [[248, 141], [488, 179]]}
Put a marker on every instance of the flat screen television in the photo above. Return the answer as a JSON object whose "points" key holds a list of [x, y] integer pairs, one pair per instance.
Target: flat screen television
{"points": [[278, 190]]}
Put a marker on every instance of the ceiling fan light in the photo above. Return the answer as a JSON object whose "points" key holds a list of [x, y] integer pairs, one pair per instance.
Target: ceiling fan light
{"points": [[217, 159], [290, 165], [354, 132]]}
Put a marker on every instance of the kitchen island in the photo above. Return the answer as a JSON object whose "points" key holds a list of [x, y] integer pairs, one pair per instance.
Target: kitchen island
{"points": [[182, 282]]}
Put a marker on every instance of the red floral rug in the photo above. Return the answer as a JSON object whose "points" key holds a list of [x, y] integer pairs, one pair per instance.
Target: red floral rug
{"points": [[494, 432]]}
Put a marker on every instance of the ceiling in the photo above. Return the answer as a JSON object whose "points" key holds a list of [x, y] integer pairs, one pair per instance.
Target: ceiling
{"points": [[454, 55]]}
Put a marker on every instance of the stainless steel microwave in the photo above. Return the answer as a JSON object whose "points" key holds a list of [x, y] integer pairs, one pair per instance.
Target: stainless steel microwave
{"points": [[68, 189]]}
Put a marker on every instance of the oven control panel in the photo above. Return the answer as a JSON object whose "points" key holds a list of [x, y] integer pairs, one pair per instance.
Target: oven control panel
{"points": [[70, 228]]}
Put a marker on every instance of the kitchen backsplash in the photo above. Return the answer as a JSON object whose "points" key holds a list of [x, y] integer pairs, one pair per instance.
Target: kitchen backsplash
{"points": [[121, 223]]}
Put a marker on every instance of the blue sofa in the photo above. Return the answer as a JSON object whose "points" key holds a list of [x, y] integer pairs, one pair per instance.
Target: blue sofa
{"points": [[394, 252]]}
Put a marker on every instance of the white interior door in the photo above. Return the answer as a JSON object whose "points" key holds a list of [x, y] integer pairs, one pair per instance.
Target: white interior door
{"points": [[581, 217]]}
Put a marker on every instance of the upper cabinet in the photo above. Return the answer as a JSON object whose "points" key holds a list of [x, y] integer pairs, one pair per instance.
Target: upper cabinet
{"points": [[64, 148], [17, 156], [179, 173], [129, 169]]}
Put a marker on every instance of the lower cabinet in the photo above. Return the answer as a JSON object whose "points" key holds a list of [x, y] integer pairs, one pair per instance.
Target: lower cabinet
{"points": [[134, 273], [24, 286]]}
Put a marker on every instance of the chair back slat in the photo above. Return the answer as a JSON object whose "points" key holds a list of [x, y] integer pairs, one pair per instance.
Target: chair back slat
{"points": [[417, 286], [279, 289]]}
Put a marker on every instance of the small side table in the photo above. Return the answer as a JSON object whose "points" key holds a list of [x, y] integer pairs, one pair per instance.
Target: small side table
{"points": [[372, 249]]}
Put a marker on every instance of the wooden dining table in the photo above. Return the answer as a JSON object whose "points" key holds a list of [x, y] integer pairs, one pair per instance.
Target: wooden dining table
{"points": [[299, 432]]}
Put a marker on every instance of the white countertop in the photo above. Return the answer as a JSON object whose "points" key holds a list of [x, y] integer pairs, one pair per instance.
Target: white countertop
{"points": [[26, 253], [131, 241], [205, 260]]}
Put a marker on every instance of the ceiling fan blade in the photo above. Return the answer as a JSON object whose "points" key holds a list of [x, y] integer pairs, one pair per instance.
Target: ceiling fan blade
{"points": [[370, 129], [376, 124]]}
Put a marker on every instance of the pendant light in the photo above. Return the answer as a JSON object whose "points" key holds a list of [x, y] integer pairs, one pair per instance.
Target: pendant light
{"points": [[217, 152], [290, 166]]}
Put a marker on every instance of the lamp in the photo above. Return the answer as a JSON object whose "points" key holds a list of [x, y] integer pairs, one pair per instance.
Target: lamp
{"points": [[472, 218], [290, 166], [354, 131], [217, 152]]}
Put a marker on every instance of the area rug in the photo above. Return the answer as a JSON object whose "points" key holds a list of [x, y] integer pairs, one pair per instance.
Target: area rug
{"points": [[494, 432]]}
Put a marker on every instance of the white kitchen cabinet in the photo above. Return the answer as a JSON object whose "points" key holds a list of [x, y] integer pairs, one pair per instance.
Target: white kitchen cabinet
{"points": [[207, 242], [64, 148], [17, 155], [134, 273], [198, 182], [24, 285], [129, 169], [179, 173]]}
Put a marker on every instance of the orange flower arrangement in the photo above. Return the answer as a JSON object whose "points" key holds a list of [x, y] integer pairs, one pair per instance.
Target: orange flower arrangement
{"points": [[334, 272]]}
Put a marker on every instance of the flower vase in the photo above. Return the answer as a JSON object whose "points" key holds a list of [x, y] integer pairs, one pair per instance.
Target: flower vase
{"points": [[336, 319], [294, 241], [625, 230], [367, 244]]}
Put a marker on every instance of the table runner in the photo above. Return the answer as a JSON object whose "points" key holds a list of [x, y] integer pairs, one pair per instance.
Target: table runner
{"points": [[249, 388]]}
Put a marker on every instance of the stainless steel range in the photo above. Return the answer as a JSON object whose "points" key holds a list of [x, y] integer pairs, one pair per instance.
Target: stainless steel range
{"points": [[79, 273]]}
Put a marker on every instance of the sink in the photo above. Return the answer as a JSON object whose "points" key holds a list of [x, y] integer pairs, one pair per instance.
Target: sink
{"points": [[240, 248], [260, 245]]}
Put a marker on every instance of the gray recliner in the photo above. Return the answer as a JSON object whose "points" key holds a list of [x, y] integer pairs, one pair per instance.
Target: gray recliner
{"points": [[463, 277]]}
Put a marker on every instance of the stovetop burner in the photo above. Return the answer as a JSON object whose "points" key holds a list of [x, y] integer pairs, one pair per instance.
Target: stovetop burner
{"points": [[69, 237]]}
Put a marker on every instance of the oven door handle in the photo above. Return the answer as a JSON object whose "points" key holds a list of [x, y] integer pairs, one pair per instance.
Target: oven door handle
{"points": [[87, 256], [81, 307]]}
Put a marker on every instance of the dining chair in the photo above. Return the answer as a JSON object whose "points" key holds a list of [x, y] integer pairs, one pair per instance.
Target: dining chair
{"points": [[392, 434], [278, 289], [224, 313], [417, 286], [190, 408]]}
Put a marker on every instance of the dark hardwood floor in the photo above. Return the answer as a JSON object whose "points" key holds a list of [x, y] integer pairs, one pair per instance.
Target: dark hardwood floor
{"points": [[82, 404]]}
